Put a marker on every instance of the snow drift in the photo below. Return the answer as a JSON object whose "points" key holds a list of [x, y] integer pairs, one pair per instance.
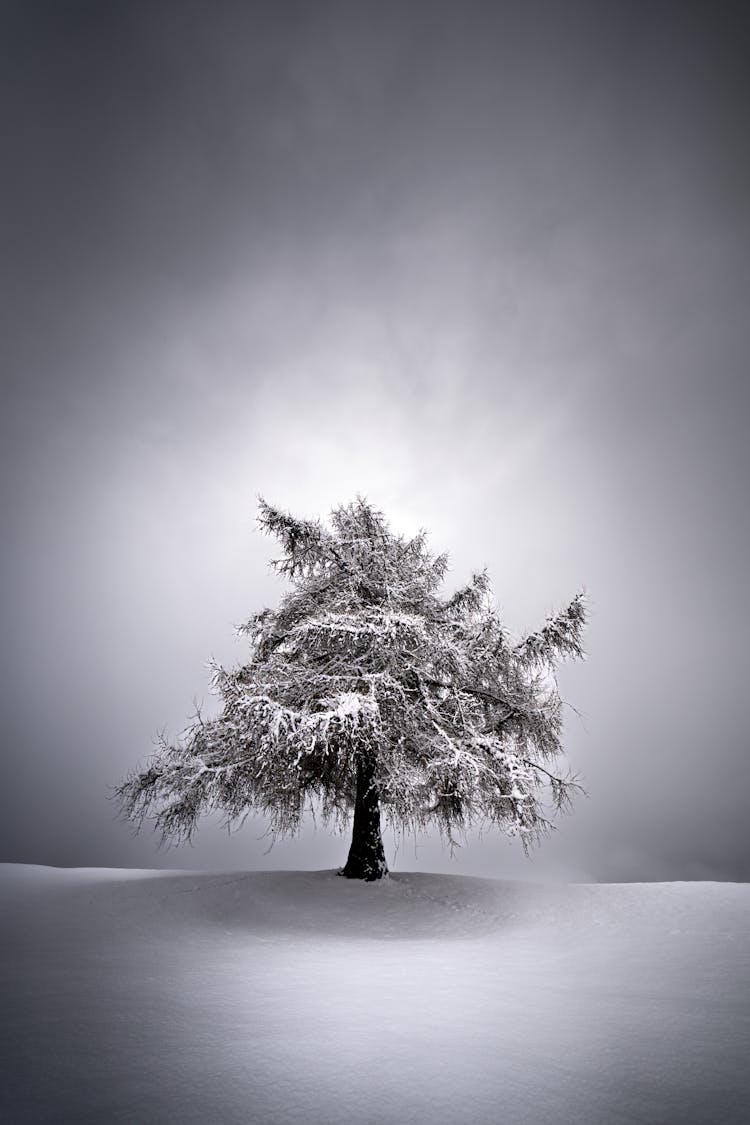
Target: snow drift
{"points": [[276, 998]]}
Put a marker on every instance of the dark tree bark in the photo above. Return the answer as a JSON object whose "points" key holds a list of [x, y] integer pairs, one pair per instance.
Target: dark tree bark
{"points": [[366, 854]]}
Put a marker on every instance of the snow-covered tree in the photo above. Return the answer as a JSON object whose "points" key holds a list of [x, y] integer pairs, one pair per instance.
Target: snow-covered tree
{"points": [[367, 690]]}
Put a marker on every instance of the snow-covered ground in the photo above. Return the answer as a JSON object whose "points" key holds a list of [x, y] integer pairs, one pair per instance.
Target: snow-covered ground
{"points": [[291, 997]]}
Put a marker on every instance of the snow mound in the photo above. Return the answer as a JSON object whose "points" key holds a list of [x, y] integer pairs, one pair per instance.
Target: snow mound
{"points": [[284, 997]]}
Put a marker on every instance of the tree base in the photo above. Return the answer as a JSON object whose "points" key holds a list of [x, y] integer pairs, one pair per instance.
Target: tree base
{"points": [[362, 869]]}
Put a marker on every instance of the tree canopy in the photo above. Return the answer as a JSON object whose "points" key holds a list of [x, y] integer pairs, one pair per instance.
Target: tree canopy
{"points": [[366, 689]]}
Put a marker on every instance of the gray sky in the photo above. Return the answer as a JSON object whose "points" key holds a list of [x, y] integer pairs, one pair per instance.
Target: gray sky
{"points": [[485, 263]]}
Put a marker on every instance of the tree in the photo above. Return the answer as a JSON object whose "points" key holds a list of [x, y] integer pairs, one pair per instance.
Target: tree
{"points": [[366, 689]]}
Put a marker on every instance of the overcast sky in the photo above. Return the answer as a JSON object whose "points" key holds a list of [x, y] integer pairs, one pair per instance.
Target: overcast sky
{"points": [[485, 263]]}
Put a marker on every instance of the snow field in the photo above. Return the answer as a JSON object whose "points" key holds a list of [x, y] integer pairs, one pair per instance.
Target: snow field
{"points": [[285, 997]]}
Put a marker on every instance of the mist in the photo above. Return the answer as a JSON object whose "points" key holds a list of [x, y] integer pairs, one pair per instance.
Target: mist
{"points": [[486, 264]]}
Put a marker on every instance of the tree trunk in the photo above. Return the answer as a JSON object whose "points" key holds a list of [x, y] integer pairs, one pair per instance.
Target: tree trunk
{"points": [[366, 855]]}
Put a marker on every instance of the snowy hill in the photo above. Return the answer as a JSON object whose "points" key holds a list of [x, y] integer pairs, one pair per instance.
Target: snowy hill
{"points": [[283, 998]]}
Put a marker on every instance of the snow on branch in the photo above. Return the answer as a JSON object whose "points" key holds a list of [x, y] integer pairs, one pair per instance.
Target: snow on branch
{"points": [[472, 597], [303, 541], [560, 636]]}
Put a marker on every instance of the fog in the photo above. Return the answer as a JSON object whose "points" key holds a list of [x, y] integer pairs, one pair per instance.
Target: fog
{"points": [[486, 264]]}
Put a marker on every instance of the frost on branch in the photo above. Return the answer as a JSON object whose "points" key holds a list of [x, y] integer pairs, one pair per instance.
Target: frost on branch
{"points": [[367, 690]]}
